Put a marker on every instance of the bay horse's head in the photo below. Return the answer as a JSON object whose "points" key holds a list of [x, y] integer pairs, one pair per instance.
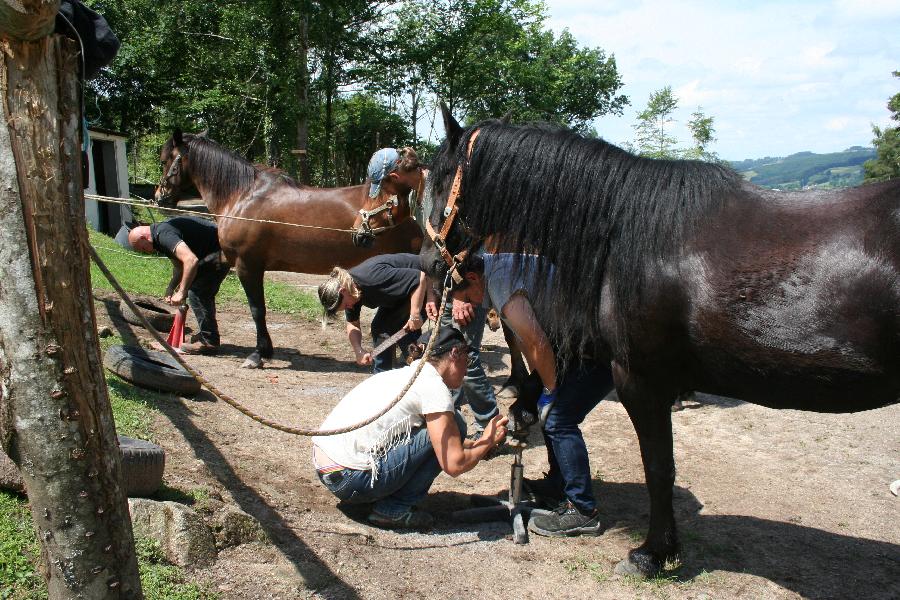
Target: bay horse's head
{"points": [[173, 156], [377, 215], [449, 238]]}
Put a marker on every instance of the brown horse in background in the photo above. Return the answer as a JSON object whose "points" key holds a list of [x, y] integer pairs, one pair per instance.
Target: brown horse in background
{"points": [[233, 187]]}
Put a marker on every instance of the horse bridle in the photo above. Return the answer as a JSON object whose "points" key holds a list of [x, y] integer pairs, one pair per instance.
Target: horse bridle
{"points": [[450, 212], [164, 185]]}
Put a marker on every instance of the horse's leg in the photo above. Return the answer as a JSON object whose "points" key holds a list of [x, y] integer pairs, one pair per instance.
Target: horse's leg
{"points": [[252, 282], [651, 416], [517, 371]]}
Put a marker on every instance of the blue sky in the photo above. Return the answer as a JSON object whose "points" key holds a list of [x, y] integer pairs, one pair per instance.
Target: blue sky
{"points": [[778, 77]]}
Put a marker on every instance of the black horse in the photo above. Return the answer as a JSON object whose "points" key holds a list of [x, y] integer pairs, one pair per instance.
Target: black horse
{"points": [[684, 277]]}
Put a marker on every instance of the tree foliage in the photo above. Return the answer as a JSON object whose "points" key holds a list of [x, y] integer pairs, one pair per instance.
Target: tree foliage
{"points": [[314, 85], [887, 144]]}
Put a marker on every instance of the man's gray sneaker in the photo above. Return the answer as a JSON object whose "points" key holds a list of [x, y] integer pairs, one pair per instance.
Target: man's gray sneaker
{"points": [[566, 521], [411, 519]]}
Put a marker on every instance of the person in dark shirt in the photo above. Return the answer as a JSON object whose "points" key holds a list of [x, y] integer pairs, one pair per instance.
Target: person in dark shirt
{"points": [[192, 244], [391, 283]]}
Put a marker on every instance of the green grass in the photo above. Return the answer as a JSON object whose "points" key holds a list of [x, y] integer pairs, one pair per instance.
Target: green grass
{"points": [[19, 552], [163, 581], [150, 274], [133, 408]]}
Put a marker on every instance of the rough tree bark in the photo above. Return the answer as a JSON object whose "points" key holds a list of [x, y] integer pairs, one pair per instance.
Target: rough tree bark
{"points": [[55, 418]]}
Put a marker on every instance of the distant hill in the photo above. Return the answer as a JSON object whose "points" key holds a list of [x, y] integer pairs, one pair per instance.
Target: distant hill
{"points": [[806, 169]]}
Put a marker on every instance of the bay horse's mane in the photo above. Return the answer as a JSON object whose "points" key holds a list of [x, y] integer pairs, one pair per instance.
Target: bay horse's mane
{"points": [[225, 172], [588, 206]]}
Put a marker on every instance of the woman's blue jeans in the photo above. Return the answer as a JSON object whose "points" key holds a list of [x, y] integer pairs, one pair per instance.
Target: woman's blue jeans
{"points": [[476, 390], [581, 389], [405, 475]]}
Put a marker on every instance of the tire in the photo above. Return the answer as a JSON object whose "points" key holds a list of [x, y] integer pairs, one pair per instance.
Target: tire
{"points": [[160, 315], [143, 464], [149, 369]]}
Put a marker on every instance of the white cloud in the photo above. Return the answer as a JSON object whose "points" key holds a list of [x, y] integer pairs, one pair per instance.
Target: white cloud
{"points": [[777, 77], [837, 123]]}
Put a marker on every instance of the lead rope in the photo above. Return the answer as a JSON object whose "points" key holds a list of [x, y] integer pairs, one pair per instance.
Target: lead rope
{"points": [[145, 204], [234, 403]]}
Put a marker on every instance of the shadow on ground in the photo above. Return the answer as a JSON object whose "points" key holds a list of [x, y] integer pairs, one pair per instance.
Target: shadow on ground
{"points": [[808, 561]]}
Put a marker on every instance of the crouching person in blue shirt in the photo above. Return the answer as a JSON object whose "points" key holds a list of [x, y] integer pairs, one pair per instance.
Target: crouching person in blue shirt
{"points": [[393, 461]]}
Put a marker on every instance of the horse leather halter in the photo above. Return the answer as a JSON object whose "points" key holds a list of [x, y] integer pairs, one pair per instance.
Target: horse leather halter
{"points": [[450, 212]]}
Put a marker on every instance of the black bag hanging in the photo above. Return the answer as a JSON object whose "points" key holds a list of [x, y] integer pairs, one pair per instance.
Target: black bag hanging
{"points": [[99, 41]]}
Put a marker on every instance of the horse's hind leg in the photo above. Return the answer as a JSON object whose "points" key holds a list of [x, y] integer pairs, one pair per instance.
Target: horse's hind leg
{"points": [[651, 416], [252, 282]]}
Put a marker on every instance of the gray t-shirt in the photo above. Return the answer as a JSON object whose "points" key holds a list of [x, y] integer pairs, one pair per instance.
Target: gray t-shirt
{"points": [[504, 276]]}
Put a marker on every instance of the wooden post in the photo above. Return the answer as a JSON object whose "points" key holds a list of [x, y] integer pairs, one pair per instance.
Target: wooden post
{"points": [[55, 418]]}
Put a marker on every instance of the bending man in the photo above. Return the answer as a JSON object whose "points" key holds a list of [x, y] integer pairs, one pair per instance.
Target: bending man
{"points": [[504, 281], [192, 244]]}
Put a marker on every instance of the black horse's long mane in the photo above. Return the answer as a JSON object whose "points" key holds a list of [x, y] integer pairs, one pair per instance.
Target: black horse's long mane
{"points": [[588, 206]]}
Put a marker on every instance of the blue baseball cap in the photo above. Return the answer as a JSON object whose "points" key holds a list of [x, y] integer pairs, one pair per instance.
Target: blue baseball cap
{"points": [[380, 165]]}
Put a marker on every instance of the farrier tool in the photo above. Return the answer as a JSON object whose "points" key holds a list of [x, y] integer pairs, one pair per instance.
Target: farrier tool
{"points": [[388, 343], [496, 508]]}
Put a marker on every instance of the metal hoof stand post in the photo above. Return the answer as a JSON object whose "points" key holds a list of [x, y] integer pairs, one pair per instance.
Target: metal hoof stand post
{"points": [[491, 508]]}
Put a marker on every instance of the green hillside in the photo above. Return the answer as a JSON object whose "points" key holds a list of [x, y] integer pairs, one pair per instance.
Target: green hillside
{"points": [[806, 169]]}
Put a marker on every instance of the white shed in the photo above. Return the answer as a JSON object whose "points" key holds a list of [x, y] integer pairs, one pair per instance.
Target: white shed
{"points": [[107, 176]]}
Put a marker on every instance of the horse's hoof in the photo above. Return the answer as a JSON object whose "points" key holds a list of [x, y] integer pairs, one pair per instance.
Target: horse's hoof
{"points": [[253, 362], [639, 564], [627, 568], [508, 392], [895, 488]]}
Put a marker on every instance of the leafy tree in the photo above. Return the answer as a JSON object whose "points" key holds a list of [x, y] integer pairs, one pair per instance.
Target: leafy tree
{"points": [[651, 137], [887, 144], [702, 132]]}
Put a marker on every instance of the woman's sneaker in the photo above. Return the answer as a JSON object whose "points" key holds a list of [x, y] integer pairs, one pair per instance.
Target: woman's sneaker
{"points": [[411, 519], [566, 521]]}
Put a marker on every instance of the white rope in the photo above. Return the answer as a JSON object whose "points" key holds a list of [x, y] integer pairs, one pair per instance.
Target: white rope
{"points": [[112, 200]]}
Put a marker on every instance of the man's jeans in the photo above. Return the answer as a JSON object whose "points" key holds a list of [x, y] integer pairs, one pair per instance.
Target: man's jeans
{"points": [[476, 390], [582, 388], [405, 475], [202, 299]]}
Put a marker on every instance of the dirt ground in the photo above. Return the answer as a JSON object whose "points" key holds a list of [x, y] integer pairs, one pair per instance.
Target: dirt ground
{"points": [[770, 504]]}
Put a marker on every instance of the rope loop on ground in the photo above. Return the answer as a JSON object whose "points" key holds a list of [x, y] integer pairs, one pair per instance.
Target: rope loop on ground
{"points": [[239, 406]]}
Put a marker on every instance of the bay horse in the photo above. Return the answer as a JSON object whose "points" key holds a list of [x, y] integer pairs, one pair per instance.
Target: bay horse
{"points": [[233, 187], [682, 276]]}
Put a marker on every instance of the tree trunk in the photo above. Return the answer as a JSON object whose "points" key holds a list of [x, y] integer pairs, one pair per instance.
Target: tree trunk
{"points": [[303, 102], [27, 19], [55, 418]]}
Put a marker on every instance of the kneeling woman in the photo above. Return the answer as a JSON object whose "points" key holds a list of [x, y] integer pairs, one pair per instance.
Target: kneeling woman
{"points": [[393, 461]]}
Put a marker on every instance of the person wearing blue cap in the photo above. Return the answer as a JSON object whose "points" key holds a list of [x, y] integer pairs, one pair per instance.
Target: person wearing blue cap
{"points": [[394, 172], [393, 461]]}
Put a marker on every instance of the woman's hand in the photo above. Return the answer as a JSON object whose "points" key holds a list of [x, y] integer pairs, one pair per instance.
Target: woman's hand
{"points": [[176, 299], [414, 323], [363, 359], [496, 430]]}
